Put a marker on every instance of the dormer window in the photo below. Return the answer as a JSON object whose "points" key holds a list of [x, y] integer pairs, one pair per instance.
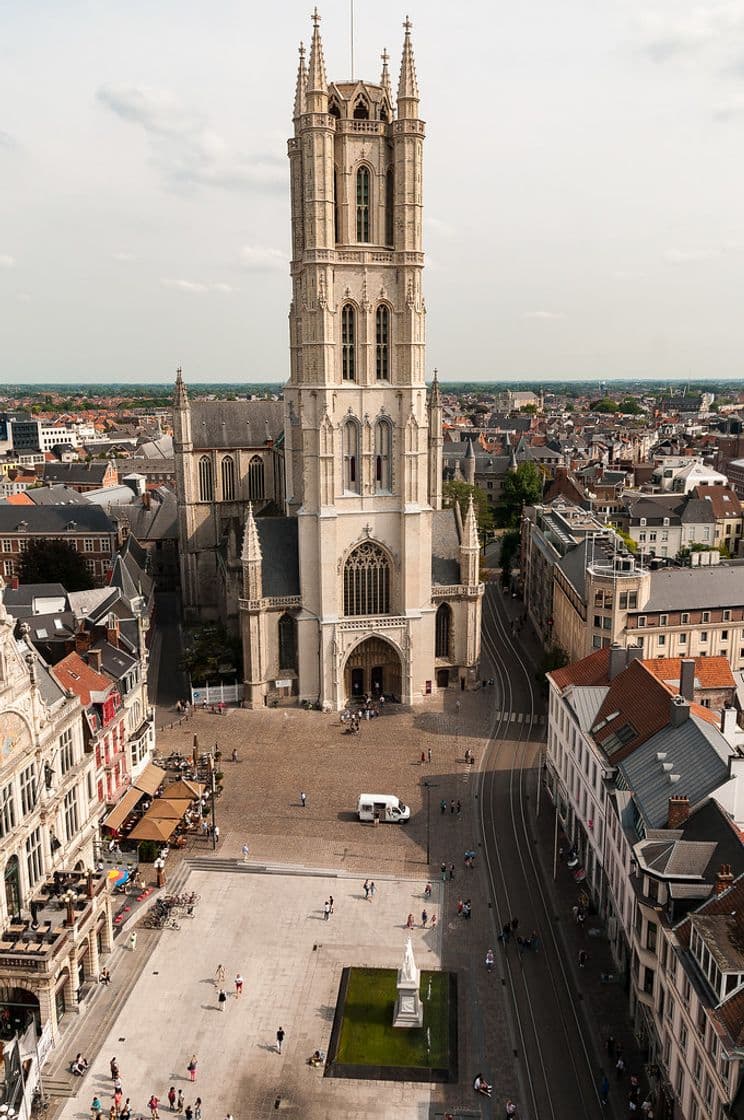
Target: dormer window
{"points": [[723, 982]]}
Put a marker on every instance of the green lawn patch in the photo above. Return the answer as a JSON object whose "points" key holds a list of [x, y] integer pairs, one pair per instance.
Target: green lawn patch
{"points": [[364, 1042]]}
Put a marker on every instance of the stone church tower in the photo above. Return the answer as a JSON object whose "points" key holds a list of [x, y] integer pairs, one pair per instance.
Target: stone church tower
{"points": [[374, 588]]}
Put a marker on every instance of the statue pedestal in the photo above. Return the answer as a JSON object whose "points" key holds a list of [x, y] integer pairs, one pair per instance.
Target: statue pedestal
{"points": [[409, 1010]]}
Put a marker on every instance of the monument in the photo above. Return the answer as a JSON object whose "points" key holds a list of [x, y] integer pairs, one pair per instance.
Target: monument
{"points": [[409, 1010]]}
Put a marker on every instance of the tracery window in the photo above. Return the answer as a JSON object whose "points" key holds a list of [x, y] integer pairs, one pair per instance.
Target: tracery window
{"points": [[348, 343], [256, 491], [287, 642], [367, 581], [362, 204], [227, 470], [383, 456], [389, 237], [206, 481], [443, 631], [382, 327], [351, 456]]}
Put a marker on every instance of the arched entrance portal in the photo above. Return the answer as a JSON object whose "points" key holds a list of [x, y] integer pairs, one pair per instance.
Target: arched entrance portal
{"points": [[373, 668]]}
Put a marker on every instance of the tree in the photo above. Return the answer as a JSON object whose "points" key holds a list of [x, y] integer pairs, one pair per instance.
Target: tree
{"points": [[606, 404], [461, 492], [522, 487], [51, 561], [509, 551]]}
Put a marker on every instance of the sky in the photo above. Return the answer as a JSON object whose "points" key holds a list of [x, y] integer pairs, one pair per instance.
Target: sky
{"points": [[584, 166]]}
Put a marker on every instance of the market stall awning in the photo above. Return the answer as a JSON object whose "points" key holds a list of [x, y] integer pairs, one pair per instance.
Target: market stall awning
{"points": [[122, 809], [163, 809], [184, 788], [150, 779], [153, 830]]}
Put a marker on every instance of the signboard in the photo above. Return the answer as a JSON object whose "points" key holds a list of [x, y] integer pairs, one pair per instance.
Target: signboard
{"points": [[283, 684]]}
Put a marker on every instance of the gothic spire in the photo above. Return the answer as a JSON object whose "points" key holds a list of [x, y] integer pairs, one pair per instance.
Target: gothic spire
{"points": [[251, 544], [408, 93], [385, 79], [470, 529], [436, 395], [300, 91], [316, 79], [180, 397]]}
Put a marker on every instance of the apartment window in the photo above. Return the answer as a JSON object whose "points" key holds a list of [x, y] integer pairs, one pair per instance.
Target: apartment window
{"points": [[8, 569], [71, 814], [648, 981], [663, 620], [727, 616], [665, 534], [703, 635], [7, 546], [679, 1081], [89, 544], [641, 621], [724, 635], [642, 538], [66, 751], [683, 639], [685, 618], [623, 600], [652, 536], [706, 616], [104, 545], [7, 810], [662, 639], [632, 600], [651, 931], [697, 1069], [685, 997], [28, 789], [34, 860], [683, 1034]]}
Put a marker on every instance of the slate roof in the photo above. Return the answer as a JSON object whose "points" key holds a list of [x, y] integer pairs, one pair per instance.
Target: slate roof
{"points": [[55, 495], [586, 702], [694, 752], [20, 600], [94, 603], [51, 693], [158, 523], [281, 556], [445, 548], [90, 472], [686, 589], [114, 661], [54, 519], [235, 424]]}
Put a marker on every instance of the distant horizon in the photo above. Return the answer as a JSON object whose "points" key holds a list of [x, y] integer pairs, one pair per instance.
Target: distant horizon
{"points": [[512, 382]]}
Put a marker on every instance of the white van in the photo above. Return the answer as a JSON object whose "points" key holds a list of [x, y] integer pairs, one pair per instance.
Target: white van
{"points": [[382, 807]]}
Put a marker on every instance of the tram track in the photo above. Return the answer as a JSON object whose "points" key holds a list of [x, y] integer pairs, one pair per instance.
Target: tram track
{"points": [[550, 1035]]}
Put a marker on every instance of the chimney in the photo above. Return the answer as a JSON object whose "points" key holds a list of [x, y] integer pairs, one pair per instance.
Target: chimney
{"points": [[94, 659], [679, 811], [82, 641], [112, 634], [679, 711], [634, 653], [618, 660], [687, 678], [146, 499], [724, 878], [729, 725]]}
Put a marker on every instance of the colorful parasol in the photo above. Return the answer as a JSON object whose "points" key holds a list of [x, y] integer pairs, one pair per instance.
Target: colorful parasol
{"points": [[117, 876]]}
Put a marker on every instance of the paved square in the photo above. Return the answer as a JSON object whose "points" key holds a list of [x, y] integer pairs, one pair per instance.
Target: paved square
{"points": [[271, 928]]}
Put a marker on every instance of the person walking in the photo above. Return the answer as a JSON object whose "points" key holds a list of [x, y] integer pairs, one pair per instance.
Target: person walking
{"points": [[365, 888], [126, 1111], [583, 957], [192, 1067], [372, 889], [604, 1087], [409, 921], [330, 902], [442, 806], [279, 1039], [423, 758], [153, 1104], [238, 986], [326, 910], [197, 1108], [222, 999], [427, 890], [458, 705], [96, 1108], [114, 1066], [428, 755], [489, 960], [189, 1113], [424, 919], [132, 942], [443, 872], [172, 1098], [179, 1102], [118, 1098], [451, 871], [219, 976], [246, 851], [303, 799]]}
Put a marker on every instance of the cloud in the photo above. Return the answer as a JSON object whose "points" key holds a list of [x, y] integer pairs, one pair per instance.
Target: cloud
{"points": [[438, 227], [671, 30], [185, 150], [196, 286], [7, 141], [6, 261], [256, 258], [543, 315], [702, 252], [126, 257], [730, 109], [23, 297]]}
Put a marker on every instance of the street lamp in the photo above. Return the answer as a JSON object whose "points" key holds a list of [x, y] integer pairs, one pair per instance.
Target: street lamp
{"points": [[69, 898], [159, 865], [427, 787]]}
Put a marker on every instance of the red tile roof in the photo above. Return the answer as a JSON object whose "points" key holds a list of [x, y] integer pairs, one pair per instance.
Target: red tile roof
{"points": [[590, 670], [712, 672], [74, 674]]}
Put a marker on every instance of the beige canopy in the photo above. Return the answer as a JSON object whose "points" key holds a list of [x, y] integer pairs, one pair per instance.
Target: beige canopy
{"points": [[122, 809], [153, 829], [163, 808], [150, 779], [184, 788]]}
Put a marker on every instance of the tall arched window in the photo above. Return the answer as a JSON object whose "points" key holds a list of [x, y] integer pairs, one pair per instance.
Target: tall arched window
{"points": [[367, 581], [362, 204], [206, 481], [287, 642], [383, 343], [227, 469], [361, 109], [383, 456], [256, 479], [348, 343], [389, 226], [351, 456], [443, 631]]}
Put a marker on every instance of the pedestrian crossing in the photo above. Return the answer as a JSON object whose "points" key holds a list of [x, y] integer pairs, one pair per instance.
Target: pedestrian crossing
{"points": [[520, 717]]}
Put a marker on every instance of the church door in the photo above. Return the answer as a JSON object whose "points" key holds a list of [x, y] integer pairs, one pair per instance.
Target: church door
{"points": [[357, 682], [377, 679]]}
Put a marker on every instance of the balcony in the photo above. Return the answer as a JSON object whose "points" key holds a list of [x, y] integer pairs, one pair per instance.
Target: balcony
{"points": [[63, 907]]}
